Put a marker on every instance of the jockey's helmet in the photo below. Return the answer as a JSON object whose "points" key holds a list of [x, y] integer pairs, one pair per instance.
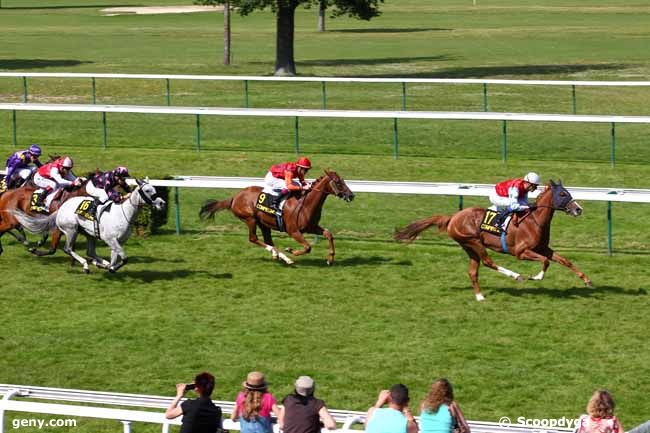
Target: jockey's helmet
{"points": [[35, 150], [532, 177], [121, 171], [67, 162], [304, 163]]}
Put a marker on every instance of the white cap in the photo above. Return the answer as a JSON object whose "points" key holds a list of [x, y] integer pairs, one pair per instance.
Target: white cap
{"points": [[532, 178]]}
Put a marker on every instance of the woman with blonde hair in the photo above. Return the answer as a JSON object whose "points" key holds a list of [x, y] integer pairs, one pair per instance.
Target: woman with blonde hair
{"points": [[600, 416], [439, 412], [254, 405]]}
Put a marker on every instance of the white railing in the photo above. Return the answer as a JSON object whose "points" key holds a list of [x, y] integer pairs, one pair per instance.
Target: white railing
{"points": [[9, 392]]}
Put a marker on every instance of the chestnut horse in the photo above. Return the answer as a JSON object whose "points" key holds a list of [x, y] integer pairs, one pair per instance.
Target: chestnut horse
{"points": [[20, 199], [301, 215], [527, 238]]}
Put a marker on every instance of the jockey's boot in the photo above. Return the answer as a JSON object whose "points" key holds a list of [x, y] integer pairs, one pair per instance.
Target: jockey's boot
{"points": [[38, 201], [277, 200], [92, 210], [500, 218]]}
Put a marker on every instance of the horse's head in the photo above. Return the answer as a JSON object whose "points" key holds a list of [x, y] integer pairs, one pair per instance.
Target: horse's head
{"points": [[562, 199], [336, 185], [148, 194]]}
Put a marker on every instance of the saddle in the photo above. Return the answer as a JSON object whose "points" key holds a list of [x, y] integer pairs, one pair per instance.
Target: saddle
{"points": [[489, 223], [265, 203], [91, 210]]}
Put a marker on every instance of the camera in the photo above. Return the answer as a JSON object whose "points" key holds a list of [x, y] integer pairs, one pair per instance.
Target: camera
{"points": [[189, 386]]}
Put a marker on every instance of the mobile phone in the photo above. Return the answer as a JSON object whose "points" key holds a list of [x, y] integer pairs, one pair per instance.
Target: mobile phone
{"points": [[189, 386]]}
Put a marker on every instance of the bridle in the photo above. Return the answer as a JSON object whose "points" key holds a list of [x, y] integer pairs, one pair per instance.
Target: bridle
{"points": [[145, 198]]}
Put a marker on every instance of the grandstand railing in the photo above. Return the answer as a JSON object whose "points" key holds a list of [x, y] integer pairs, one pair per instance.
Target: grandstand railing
{"points": [[245, 80], [425, 188], [14, 400], [197, 112]]}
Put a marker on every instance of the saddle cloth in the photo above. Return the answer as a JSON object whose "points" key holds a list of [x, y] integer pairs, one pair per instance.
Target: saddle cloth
{"points": [[264, 203], [488, 222]]}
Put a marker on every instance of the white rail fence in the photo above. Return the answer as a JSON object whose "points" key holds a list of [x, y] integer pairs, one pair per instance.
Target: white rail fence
{"points": [[14, 400], [245, 80], [197, 112]]}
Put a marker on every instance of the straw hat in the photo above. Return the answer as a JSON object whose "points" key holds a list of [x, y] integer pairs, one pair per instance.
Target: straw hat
{"points": [[254, 381]]}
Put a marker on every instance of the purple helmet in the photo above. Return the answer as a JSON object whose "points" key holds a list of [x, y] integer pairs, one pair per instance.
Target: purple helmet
{"points": [[35, 150], [121, 171]]}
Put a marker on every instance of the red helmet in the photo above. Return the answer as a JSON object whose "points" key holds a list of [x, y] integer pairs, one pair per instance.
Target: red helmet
{"points": [[304, 163]]}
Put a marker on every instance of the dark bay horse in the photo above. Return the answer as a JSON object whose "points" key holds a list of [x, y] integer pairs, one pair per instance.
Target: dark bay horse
{"points": [[527, 238], [20, 199], [301, 215]]}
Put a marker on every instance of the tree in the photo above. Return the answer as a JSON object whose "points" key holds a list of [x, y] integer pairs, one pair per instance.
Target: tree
{"points": [[322, 7], [226, 32], [285, 11]]}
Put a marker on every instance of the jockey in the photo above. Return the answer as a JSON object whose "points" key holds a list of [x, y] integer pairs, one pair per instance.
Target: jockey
{"points": [[283, 178], [512, 195], [101, 185], [18, 166], [51, 177]]}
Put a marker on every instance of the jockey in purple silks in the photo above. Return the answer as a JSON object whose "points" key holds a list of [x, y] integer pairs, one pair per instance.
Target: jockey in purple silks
{"points": [[102, 185], [19, 166]]}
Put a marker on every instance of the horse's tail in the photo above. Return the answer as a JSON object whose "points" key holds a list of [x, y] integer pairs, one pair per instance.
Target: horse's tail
{"points": [[36, 224], [410, 232], [211, 207]]}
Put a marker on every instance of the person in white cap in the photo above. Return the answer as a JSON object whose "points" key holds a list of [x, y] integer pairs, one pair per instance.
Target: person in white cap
{"points": [[512, 195], [302, 412]]}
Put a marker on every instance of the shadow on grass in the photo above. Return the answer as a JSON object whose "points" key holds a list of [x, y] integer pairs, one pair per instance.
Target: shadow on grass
{"points": [[380, 61], [38, 63], [150, 276], [351, 261], [391, 30], [575, 292], [492, 71]]}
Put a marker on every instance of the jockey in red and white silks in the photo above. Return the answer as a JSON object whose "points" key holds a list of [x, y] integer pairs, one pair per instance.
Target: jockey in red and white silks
{"points": [[512, 195], [288, 176], [53, 176]]}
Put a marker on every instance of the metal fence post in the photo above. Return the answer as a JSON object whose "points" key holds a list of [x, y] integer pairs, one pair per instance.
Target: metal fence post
{"points": [[403, 96], [94, 91], [296, 134], [177, 203], [573, 95], [395, 139], [504, 142], [13, 123], [24, 89], [198, 132], [460, 202], [323, 91], [104, 130], [168, 89], [613, 146], [485, 97], [245, 93], [609, 228]]}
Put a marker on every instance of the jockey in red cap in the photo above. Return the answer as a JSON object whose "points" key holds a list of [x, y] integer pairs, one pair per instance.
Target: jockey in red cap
{"points": [[286, 177], [512, 195], [51, 177]]}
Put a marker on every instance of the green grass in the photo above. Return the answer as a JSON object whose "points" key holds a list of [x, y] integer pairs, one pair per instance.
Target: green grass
{"points": [[385, 312]]}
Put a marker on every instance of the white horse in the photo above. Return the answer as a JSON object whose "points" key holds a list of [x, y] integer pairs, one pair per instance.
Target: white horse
{"points": [[114, 225]]}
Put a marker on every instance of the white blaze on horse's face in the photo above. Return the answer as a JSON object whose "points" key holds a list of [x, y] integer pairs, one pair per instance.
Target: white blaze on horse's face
{"points": [[574, 209]]}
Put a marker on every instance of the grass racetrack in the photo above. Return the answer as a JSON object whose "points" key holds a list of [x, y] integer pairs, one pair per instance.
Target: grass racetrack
{"points": [[385, 312]]}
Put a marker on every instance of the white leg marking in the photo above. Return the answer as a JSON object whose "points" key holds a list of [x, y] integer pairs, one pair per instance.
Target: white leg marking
{"points": [[285, 259], [538, 277], [480, 297], [509, 273]]}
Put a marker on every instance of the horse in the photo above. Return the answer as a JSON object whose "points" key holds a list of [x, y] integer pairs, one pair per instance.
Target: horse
{"points": [[301, 214], [20, 199], [527, 238], [114, 225]]}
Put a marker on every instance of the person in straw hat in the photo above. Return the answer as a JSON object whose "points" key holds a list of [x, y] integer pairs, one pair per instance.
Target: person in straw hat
{"points": [[302, 412], [254, 405]]}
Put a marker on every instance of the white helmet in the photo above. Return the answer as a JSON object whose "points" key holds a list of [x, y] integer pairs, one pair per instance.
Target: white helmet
{"points": [[67, 162], [532, 178]]}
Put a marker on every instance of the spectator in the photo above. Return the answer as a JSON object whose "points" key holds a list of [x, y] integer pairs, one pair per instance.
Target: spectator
{"points": [[600, 416], [643, 428], [302, 412], [439, 412], [254, 405], [396, 418], [200, 415]]}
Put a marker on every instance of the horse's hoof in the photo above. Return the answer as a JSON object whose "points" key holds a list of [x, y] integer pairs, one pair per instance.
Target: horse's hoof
{"points": [[288, 250], [480, 297], [519, 279], [112, 269], [330, 262], [86, 270], [26, 243], [32, 250], [589, 284]]}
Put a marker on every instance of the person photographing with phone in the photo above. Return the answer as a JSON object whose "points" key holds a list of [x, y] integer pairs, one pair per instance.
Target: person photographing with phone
{"points": [[397, 417], [199, 415]]}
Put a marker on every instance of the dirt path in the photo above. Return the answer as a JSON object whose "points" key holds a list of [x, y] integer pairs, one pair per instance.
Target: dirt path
{"points": [[152, 10]]}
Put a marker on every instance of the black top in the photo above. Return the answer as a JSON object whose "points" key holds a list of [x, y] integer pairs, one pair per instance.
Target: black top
{"points": [[200, 416], [301, 414]]}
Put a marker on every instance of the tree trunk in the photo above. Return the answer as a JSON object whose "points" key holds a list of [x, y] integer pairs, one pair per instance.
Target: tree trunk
{"points": [[284, 63], [321, 15], [226, 32]]}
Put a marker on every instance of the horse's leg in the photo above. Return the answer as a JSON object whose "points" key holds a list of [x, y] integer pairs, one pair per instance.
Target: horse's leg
{"points": [[300, 238], [91, 251], [70, 238], [478, 247], [20, 235], [319, 231], [42, 240], [472, 271], [268, 240], [532, 255], [117, 253], [252, 238], [54, 244], [561, 260]]}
